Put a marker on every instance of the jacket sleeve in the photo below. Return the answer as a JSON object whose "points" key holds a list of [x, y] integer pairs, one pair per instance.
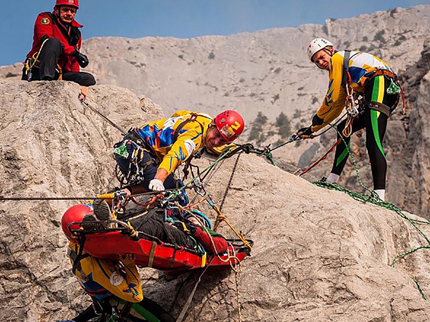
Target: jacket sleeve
{"points": [[74, 65], [181, 113], [187, 144], [334, 101], [221, 149], [43, 27]]}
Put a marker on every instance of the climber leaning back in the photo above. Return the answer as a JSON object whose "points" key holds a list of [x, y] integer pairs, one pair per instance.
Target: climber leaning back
{"points": [[365, 75], [147, 156]]}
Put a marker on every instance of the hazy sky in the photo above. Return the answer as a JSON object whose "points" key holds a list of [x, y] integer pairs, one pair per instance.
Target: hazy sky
{"points": [[177, 18]]}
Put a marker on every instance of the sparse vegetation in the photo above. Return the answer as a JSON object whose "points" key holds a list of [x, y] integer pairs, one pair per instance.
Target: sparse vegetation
{"points": [[9, 74], [284, 125], [297, 114], [256, 132], [261, 119], [379, 36], [400, 40], [275, 98], [211, 55], [371, 48]]}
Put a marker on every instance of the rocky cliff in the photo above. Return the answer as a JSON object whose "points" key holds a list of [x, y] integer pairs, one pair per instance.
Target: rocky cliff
{"points": [[318, 255], [268, 72]]}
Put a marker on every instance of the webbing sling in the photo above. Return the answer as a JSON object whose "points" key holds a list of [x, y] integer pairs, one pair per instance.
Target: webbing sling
{"points": [[181, 126], [345, 74], [152, 253]]}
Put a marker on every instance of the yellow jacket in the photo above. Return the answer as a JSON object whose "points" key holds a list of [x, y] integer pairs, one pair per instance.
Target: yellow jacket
{"points": [[101, 278], [160, 135]]}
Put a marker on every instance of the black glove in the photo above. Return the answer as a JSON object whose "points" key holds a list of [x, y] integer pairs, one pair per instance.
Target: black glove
{"points": [[316, 120], [81, 58], [305, 131], [247, 147]]}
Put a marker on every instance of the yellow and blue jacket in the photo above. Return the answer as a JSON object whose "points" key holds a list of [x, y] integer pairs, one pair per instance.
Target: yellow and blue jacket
{"points": [[361, 67], [103, 278], [161, 135]]}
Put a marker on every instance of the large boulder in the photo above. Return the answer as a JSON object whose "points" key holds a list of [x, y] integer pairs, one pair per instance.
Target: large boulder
{"points": [[318, 255]]}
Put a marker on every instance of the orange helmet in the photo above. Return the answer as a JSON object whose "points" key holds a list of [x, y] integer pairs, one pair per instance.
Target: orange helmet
{"points": [[74, 214], [72, 3], [230, 124]]}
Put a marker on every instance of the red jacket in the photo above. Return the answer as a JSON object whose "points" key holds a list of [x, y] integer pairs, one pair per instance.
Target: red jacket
{"points": [[48, 25]]}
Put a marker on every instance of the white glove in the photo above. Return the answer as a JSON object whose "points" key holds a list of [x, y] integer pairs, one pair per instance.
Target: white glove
{"points": [[156, 185]]}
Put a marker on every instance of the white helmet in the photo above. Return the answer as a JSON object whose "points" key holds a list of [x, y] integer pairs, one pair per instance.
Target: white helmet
{"points": [[316, 45]]}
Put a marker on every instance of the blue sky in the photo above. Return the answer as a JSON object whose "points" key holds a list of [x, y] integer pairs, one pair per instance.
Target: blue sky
{"points": [[178, 18]]}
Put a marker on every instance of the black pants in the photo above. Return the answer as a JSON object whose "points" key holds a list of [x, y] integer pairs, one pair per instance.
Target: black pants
{"points": [[51, 51], [153, 224], [147, 304], [375, 123]]}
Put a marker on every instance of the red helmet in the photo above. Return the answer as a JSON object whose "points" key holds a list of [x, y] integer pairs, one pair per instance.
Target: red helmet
{"points": [[72, 3], [74, 214], [230, 124]]}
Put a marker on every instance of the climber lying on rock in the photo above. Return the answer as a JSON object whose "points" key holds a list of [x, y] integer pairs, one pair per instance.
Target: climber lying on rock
{"points": [[169, 227]]}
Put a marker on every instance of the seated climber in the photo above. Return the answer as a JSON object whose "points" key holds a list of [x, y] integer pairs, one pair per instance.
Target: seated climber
{"points": [[56, 47], [106, 281], [147, 156]]}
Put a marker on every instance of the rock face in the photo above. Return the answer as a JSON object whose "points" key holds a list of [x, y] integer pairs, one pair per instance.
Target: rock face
{"points": [[268, 72], [318, 254], [412, 161]]}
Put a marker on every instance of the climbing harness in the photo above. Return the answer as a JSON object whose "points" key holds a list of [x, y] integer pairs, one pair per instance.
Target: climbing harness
{"points": [[134, 149]]}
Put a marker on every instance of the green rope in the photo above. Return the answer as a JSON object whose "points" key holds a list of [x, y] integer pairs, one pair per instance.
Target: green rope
{"points": [[407, 253], [420, 289], [370, 196], [176, 192]]}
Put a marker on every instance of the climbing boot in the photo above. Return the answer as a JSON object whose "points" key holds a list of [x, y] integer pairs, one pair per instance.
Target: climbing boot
{"points": [[91, 224], [102, 212]]}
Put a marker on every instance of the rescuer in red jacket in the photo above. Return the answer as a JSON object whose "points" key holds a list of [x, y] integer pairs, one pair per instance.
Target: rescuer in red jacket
{"points": [[56, 43]]}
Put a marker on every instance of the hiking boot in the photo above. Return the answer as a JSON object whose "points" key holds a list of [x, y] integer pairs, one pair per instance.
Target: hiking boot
{"points": [[103, 213], [102, 210], [91, 224]]}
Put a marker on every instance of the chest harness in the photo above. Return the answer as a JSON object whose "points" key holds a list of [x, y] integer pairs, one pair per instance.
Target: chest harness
{"points": [[134, 147]]}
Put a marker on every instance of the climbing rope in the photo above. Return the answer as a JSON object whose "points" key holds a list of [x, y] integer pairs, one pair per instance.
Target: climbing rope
{"points": [[82, 98], [229, 181], [267, 151], [370, 196]]}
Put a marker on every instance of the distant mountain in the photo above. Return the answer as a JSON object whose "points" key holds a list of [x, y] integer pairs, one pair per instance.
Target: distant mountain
{"points": [[266, 72]]}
